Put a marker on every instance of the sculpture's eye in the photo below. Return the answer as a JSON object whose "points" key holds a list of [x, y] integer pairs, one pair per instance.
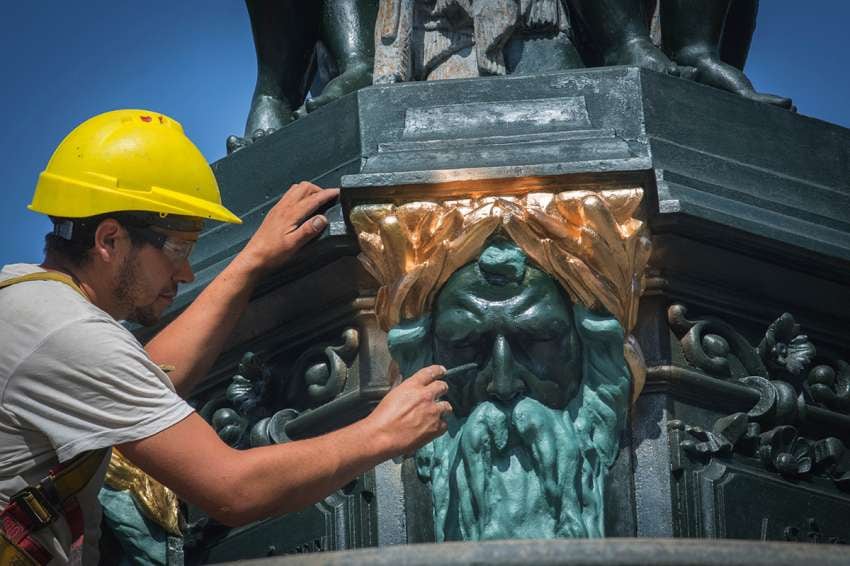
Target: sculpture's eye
{"points": [[471, 340]]}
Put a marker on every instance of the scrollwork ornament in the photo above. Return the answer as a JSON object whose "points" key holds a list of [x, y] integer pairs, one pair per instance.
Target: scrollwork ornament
{"points": [[784, 349], [251, 418], [828, 384], [713, 346], [247, 395], [784, 450], [323, 370], [785, 359]]}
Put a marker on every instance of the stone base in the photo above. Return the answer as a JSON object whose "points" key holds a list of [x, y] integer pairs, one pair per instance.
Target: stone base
{"points": [[611, 552]]}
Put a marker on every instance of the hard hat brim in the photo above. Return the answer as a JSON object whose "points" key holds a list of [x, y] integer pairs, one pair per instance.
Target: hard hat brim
{"points": [[88, 199]]}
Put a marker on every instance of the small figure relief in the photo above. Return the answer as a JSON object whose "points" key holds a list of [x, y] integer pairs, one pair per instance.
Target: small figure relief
{"points": [[531, 299], [441, 39]]}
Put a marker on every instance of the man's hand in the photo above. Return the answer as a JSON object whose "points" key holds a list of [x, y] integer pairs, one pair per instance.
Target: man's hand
{"points": [[288, 226], [411, 414], [194, 339]]}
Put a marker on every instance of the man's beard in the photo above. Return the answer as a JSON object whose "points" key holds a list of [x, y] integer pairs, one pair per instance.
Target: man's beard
{"points": [[515, 470], [127, 288]]}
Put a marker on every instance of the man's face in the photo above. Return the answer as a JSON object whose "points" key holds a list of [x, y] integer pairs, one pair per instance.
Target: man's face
{"points": [[520, 333], [147, 279]]}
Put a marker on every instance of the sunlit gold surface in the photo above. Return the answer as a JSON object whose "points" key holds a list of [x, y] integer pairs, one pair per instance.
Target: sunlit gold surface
{"points": [[157, 502], [589, 241]]}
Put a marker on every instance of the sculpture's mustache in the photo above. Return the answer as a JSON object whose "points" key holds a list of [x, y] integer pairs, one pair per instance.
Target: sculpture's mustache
{"points": [[469, 386]]}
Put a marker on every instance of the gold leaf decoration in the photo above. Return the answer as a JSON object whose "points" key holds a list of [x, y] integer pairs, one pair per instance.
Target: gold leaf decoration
{"points": [[589, 241]]}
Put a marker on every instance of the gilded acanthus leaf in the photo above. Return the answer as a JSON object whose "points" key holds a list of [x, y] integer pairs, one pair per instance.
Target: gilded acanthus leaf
{"points": [[588, 240]]}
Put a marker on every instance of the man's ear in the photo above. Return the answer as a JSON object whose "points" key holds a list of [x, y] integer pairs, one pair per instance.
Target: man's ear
{"points": [[109, 239]]}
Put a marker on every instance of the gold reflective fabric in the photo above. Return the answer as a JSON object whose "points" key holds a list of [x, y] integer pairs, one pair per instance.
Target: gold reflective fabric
{"points": [[156, 502]]}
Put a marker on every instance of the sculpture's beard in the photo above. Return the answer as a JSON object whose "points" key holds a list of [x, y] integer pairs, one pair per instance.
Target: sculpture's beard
{"points": [[515, 470]]}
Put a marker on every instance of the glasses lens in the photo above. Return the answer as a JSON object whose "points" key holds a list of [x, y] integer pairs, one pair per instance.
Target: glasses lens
{"points": [[176, 249]]}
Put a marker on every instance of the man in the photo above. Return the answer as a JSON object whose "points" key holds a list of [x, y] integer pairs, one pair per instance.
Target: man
{"points": [[127, 192]]}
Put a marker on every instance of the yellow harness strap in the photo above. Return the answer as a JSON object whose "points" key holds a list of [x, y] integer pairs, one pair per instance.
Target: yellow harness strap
{"points": [[44, 276]]}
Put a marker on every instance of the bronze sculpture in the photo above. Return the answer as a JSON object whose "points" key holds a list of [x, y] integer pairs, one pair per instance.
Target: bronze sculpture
{"points": [[706, 40], [285, 39], [537, 292]]}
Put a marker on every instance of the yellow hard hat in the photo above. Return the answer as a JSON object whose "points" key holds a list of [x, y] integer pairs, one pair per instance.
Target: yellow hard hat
{"points": [[128, 160]]}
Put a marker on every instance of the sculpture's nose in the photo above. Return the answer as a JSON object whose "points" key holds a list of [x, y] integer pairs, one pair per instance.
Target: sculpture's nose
{"points": [[503, 384]]}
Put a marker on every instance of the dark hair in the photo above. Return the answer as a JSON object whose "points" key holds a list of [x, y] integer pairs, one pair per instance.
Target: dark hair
{"points": [[76, 249]]}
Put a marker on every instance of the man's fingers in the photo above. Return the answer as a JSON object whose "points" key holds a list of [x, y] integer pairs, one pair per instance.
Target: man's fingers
{"points": [[307, 231], [426, 375], [298, 190], [437, 388], [307, 205], [444, 407]]}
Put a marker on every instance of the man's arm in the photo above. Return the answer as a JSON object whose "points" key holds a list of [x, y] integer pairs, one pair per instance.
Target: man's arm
{"points": [[239, 486], [194, 339]]}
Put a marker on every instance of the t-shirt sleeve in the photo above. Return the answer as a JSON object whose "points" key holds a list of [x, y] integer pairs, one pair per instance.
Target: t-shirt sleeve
{"points": [[90, 385]]}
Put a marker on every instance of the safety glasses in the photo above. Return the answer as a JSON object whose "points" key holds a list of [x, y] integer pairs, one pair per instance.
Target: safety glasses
{"points": [[175, 249]]}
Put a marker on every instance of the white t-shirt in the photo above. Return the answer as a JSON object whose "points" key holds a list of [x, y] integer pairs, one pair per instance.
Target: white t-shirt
{"points": [[72, 379]]}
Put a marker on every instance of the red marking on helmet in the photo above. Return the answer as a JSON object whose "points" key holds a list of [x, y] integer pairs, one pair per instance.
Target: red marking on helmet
{"points": [[145, 118]]}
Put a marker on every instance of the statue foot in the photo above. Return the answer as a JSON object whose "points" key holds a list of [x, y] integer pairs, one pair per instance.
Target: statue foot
{"points": [[714, 72], [269, 113], [235, 143], [353, 78], [641, 52]]}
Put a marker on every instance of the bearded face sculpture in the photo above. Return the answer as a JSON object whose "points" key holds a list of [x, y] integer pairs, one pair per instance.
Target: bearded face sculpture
{"points": [[537, 424], [535, 296]]}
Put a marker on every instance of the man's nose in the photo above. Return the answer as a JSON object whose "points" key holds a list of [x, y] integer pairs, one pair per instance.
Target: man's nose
{"points": [[184, 272], [503, 384]]}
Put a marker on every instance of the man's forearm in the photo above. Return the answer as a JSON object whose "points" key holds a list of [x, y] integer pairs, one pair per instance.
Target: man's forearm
{"points": [[303, 471], [193, 341], [236, 487]]}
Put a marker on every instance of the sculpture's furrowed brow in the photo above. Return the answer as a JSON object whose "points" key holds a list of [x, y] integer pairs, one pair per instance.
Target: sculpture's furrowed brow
{"points": [[456, 323], [541, 325], [475, 305]]}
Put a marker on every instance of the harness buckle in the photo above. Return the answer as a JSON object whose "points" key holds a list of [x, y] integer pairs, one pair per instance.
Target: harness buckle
{"points": [[36, 506]]}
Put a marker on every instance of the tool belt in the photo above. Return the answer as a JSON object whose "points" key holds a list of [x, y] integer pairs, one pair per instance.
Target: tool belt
{"points": [[37, 506]]}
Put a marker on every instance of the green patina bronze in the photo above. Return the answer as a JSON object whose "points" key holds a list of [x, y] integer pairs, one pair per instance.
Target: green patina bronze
{"points": [[537, 425]]}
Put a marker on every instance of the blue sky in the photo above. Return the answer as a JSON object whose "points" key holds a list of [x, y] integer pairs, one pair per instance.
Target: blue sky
{"points": [[194, 60]]}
